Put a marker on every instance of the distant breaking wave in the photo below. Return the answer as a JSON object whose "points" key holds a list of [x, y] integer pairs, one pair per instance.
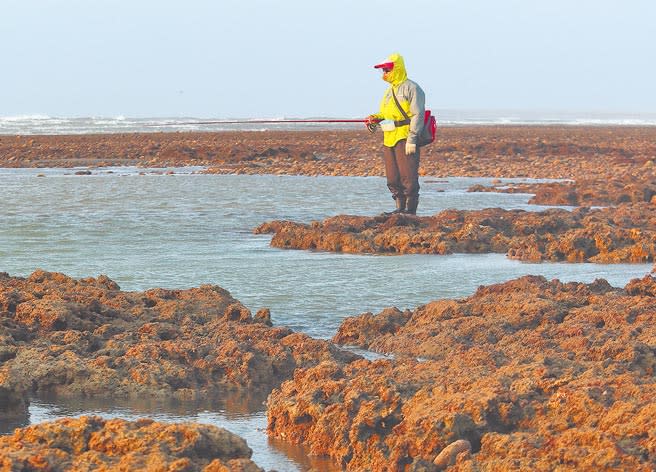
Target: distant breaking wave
{"points": [[43, 124]]}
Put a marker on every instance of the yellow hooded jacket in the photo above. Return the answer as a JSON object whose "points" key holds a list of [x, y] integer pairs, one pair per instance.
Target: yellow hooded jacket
{"points": [[412, 100]]}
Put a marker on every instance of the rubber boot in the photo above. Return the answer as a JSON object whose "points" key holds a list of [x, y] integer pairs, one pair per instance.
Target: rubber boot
{"points": [[411, 208], [400, 205]]}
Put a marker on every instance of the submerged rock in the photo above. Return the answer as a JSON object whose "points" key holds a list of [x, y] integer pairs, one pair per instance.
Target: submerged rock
{"points": [[533, 374], [92, 443], [636, 186], [87, 337], [611, 235]]}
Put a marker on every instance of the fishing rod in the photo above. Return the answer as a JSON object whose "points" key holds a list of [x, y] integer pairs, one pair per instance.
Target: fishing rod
{"points": [[219, 122], [370, 123]]}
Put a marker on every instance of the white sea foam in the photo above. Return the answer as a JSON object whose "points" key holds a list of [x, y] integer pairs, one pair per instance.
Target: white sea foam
{"points": [[44, 124]]}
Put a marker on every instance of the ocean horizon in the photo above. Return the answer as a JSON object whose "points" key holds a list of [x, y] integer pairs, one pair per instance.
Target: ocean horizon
{"points": [[38, 124]]}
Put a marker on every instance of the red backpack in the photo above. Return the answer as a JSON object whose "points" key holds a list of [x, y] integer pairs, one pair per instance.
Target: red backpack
{"points": [[427, 134]]}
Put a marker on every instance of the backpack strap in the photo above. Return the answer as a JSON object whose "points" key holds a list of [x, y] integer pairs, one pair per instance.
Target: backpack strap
{"points": [[405, 115]]}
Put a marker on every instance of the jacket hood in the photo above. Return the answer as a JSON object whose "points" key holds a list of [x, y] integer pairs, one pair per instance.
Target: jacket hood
{"points": [[398, 74]]}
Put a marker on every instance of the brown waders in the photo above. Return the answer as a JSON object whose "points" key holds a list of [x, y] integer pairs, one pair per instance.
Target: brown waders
{"points": [[402, 177]]}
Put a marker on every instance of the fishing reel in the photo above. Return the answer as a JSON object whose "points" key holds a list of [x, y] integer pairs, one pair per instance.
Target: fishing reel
{"points": [[372, 126], [372, 123]]}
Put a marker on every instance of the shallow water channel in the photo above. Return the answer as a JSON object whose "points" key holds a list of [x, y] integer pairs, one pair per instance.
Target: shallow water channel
{"points": [[148, 228]]}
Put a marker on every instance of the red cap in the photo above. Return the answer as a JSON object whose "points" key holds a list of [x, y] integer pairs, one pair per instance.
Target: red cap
{"points": [[384, 65]]}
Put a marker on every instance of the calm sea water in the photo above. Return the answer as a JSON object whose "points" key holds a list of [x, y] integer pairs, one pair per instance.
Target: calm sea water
{"points": [[147, 228]]}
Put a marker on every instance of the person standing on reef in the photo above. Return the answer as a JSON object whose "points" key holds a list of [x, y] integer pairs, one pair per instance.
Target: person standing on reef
{"points": [[401, 153]]}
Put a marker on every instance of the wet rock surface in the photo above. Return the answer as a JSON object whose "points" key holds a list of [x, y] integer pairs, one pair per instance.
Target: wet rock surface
{"points": [[565, 152], [86, 337], [92, 443], [526, 375], [13, 398], [634, 187], [611, 235]]}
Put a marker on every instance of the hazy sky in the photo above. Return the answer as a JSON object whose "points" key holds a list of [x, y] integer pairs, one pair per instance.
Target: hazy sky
{"points": [[302, 58]]}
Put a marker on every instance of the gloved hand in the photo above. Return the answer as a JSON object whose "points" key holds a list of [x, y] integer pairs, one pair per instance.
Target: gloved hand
{"points": [[371, 122], [410, 148]]}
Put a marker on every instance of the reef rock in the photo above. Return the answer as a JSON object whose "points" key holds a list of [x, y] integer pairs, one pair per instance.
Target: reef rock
{"points": [[92, 443], [86, 337], [13, 397], [635, 185], [566, 152], [611, 235], [532, 374]]}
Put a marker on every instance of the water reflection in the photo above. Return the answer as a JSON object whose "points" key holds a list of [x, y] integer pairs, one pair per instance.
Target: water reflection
{"points": [[242, 414]]}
